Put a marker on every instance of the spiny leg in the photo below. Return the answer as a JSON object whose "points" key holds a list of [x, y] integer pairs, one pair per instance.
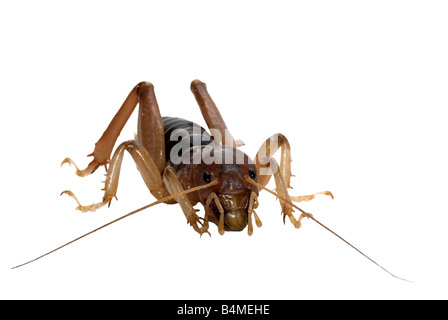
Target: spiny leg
{"points": [[174, 186], [151, 133], [267, 166], [212, 116], [282, 190], [311, 196], [146, 166]]}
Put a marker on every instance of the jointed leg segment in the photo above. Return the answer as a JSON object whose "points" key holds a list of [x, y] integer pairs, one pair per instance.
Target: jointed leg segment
{"points": [[267, 166], [174, 186], [148, 151], [311, 196], [152, 138], [145, 165], [212, 116]]}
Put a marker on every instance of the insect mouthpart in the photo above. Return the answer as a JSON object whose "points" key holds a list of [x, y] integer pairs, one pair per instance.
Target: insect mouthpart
{"points": [[235, 211]]}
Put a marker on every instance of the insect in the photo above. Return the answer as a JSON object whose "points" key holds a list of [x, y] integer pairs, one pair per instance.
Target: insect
{"points": [[180, 162]]}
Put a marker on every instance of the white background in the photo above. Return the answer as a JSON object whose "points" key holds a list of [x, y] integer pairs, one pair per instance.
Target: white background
{"points": [[358, 87]]}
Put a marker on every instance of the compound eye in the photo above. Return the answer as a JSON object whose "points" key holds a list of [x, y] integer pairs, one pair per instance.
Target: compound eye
{"points": [[206, 176], [252, 173]]}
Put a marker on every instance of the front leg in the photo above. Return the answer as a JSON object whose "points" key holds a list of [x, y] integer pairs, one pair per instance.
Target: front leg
{"points": [[174, 186], [267, 166], [145, 165]]}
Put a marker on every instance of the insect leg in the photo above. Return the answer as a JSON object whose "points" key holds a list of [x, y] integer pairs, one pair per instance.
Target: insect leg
{"points": [[150, 131], [267, 166], [282, 190], [142, 93], [146, 166], [311, 196], [174, 186], [212, 117]]}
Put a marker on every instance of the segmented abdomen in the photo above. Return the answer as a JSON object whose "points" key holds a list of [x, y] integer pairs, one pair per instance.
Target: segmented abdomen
{"points": [[184, 136]]}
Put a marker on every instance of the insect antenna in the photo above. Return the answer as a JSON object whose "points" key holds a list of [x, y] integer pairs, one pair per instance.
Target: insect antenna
{"points": [[322, 225], [121, 218]]}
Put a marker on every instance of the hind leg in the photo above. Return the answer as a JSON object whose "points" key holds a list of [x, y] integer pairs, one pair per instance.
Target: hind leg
{"points": [[150, 129], [212, 116], [148, 151]]}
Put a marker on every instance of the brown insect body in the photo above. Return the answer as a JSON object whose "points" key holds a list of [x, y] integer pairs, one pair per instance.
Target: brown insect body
{"points": [[192, 153], [174, 155], [232, 189], [180, 162]]}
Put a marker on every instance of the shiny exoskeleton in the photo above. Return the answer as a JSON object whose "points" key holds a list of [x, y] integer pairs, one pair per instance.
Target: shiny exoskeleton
{"points": [[174, 155], [233, 191], [180, 162]]}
